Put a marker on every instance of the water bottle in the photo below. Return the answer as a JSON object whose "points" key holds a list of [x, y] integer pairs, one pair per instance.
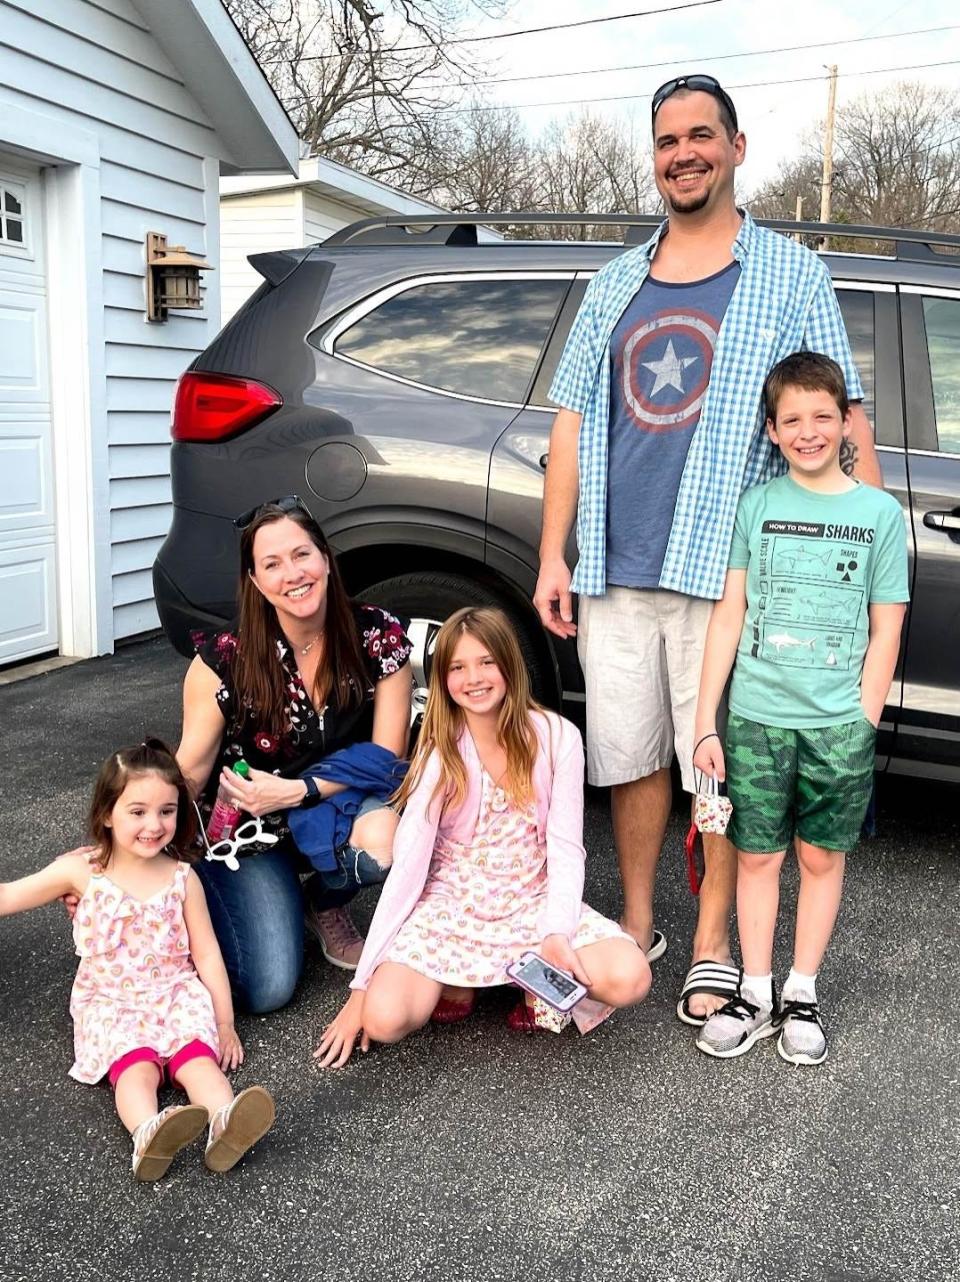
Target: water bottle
{"points": [[226, 813]]}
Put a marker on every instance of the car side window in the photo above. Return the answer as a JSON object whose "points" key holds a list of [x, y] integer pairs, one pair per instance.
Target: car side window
{"points": [[941, 318], [857, 309], [479, 338]]}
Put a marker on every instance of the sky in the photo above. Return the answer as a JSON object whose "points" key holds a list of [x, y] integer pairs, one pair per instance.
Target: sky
{"points": [[774, 116]]}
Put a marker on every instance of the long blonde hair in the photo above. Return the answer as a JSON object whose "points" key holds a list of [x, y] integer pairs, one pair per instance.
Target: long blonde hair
{"points": [[443, 720]]}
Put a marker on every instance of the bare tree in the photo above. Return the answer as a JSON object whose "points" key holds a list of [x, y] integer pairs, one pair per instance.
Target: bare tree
{"points": [[896, 160], [476, 161], [361, 83], [588, 163]]}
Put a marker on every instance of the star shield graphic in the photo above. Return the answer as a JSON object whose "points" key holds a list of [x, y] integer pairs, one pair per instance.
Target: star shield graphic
{"points": [[666, 368]]}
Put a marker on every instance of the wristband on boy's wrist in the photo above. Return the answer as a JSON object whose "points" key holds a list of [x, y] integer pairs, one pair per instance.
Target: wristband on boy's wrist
{"points": [[712, 735]]}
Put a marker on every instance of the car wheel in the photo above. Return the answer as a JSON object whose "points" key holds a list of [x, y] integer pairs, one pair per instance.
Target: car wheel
{"points": [[427, 600]]}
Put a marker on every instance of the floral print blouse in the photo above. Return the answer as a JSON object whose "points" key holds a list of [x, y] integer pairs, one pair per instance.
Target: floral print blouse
{"points": [[311, 733]]}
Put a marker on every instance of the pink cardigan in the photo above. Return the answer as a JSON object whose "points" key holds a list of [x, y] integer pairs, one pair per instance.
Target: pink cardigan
{"points": [[558, 791]]}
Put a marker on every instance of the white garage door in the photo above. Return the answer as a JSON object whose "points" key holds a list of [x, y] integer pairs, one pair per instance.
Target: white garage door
{"points": [[28, 572]]}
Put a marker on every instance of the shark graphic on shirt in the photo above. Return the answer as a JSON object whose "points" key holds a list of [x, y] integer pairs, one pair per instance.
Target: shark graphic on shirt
{"points": [[784, 641], [825, 606], [803, 559]]}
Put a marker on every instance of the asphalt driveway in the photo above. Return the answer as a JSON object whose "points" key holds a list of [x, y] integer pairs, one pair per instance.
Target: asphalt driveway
{"points": [[474, 1153]]}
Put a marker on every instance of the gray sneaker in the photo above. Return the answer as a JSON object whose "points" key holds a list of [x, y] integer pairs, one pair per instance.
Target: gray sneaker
{"points": [[802, 1039], [735, 1027]]}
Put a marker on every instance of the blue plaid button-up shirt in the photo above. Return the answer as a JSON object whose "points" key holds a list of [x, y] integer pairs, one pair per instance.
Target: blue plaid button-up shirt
{"points": [[783, 302]]}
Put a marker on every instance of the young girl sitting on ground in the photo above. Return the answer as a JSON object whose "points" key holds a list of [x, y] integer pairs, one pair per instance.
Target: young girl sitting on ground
{"points": [[151, 994], [488, 858]]}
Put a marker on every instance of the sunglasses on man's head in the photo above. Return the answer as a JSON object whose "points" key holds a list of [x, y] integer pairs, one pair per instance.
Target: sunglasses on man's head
{"points": [[289, 503], [699, 83]]}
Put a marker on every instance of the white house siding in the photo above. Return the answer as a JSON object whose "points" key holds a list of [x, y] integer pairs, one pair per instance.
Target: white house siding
{"points": [[95, 65], [322, 216], [254, 224], [281, 218]]}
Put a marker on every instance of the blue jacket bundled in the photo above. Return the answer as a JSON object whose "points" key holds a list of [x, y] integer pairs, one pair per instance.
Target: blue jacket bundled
{"points": [[368, 771]]}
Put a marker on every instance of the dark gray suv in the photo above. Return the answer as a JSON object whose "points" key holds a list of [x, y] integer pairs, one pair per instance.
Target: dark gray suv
{"points": [[396, 377]]}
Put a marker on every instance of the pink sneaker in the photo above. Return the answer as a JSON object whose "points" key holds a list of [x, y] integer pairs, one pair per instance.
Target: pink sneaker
{"points": [[340, 941]]}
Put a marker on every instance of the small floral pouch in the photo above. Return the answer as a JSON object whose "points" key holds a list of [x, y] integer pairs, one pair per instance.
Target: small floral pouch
{"points": [[548, 1017], [711, 810]]}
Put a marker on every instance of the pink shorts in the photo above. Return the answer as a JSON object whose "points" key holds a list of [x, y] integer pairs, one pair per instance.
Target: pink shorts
{"points": [[146, 1055]]}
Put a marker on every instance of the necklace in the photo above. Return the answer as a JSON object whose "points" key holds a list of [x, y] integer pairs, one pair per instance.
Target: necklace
{"points": [[305, 649]]}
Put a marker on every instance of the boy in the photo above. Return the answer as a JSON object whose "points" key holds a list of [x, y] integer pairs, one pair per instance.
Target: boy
{"points": [[812, 610]]}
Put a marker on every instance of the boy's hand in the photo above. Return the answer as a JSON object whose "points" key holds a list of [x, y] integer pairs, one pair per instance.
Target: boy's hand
{"points": [[231, 1048], [708, 757]]}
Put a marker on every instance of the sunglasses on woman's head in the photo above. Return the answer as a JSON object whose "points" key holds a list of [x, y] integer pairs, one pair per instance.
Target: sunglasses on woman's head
{"points": [[289, 503], [700, 84]]}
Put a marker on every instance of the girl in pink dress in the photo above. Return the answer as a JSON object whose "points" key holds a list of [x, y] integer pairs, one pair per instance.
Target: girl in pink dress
{"points": [[151, 995], [488, 857]]}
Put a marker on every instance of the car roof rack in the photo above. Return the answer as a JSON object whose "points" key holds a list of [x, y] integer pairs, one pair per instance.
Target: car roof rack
{"points": [[461, 229]]}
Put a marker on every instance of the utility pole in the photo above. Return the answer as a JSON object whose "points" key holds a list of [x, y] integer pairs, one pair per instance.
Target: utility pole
{"points": [[798, 217], [826, 184]]}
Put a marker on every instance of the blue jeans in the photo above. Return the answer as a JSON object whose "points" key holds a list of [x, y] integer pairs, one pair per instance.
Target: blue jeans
{"points": [[257, 914]]}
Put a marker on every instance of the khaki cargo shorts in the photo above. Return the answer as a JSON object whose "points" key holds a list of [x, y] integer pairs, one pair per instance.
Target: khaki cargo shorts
{"points": [[641, 650]]}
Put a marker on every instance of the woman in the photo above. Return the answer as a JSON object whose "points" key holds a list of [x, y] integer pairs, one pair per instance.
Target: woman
{"points": [[308, 673]]}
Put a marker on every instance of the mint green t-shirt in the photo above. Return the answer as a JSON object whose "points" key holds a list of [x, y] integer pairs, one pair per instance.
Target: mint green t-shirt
{"points": [[815, 563]]}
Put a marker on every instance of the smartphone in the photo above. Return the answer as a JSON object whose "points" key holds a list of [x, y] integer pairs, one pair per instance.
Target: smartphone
{"points": [[556, 987]]}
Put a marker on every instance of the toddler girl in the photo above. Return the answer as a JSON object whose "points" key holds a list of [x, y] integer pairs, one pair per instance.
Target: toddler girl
{"points": [[151, 996], [488, 857]]}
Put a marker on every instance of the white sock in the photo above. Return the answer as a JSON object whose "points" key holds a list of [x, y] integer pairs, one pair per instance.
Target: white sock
{"points": [[800, 988], [758, 989]]}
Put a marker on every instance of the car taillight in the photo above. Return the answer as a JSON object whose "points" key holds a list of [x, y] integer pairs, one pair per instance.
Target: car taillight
{"points": [[211, 407]]}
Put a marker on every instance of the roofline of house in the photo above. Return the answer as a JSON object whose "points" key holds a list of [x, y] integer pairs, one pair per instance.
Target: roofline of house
{"points": [[203, 43], [328, 178]]}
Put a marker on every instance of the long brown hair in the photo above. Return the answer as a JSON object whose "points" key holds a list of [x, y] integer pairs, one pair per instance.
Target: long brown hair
{"points": [[443, 720], [152, 757], [257, 674]]}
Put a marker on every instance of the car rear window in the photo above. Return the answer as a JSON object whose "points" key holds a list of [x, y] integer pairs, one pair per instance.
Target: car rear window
{"points": [[941, 318], [479, 338]]}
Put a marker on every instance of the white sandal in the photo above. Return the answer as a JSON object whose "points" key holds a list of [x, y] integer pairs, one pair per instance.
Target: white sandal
{"points": [[237, 1126], [158, 1140]]}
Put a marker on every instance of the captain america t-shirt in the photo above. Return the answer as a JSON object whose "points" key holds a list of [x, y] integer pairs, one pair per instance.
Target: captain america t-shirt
{"points": [[660, 357]]}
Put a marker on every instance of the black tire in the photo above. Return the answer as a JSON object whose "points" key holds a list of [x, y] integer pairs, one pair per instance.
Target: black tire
{"points": [[425, 601]]}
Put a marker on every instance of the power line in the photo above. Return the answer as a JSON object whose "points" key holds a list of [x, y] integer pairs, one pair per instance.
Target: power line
{"points": [[640, 97], [706, 58], [509, 35]]}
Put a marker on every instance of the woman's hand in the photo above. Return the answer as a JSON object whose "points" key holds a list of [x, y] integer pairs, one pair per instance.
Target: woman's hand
{"points": [[340, 1035], [708, 757], [559, 952], [70, 901], [263, 793], [231, 1048]]}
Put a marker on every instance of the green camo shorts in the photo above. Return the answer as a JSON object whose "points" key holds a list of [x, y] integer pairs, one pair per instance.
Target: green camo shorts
{"points": [[814, 783]]}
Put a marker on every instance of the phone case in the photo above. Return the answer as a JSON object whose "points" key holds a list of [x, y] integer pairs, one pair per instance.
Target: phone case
{"points": [[567, 1003]]}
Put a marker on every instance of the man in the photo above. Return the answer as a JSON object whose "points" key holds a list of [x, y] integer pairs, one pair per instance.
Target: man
{"points": [[660, 430]]}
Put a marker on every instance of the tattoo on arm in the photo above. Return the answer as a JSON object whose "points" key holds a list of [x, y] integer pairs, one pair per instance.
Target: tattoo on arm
{"points": [[849, 454]]}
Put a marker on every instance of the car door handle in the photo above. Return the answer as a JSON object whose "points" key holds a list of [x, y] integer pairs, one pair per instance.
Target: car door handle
{"points": [[942, 520]]}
